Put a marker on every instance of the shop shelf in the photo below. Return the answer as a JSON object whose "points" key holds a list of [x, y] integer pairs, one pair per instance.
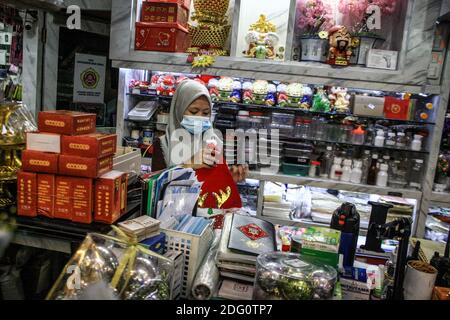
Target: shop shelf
{"points": [[335, 185], [325, 114], [440, 197], [304, 72]]}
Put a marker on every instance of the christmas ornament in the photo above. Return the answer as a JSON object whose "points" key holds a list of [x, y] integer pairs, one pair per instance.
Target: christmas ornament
{"points": [[296, 289]]}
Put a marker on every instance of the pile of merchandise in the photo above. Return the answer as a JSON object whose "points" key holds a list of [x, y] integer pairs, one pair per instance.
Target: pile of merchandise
{"points": [[67, 171]]}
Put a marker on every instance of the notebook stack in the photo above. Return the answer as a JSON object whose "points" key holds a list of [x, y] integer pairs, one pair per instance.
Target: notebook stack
{"points": [[243, 239]]}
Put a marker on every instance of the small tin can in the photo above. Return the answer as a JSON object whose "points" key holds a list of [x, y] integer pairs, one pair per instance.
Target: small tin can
{"points": [[147, 135]]}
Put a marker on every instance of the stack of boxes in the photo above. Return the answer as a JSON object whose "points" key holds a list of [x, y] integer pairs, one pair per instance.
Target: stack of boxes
{"points": [[163, 26], [67, 171]]}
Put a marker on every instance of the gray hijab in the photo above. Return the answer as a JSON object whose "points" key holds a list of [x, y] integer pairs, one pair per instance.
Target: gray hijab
{"points": [[187, 92]]}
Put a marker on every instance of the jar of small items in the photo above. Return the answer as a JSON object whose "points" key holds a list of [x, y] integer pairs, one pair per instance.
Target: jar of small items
{"points": [[287, 276]]}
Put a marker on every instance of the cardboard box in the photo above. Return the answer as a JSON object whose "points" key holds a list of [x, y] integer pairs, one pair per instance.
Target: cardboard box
{"points": [[166, 11], [94, 145], [67, 122], [368, 106], [177, 259], [41, 162], [167, 37], [84, 167], [354, 290], [46, 184], [108, 197], [26, 194], [63, 201], [44, 142], [398, 109], [82, 199]]}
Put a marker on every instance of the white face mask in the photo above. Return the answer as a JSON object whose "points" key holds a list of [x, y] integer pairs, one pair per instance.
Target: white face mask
{"points": [[195, 124]]}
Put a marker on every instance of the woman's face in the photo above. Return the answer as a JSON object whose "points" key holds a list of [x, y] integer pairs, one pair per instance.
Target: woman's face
{"points": [[200, 108]]}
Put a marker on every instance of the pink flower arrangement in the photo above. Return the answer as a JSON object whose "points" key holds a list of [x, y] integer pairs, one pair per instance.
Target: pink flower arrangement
{"points": [[356, 10], [313, 16]]}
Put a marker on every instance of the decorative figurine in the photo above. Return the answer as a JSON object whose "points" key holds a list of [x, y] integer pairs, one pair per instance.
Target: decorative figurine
{"points": [[339, 99], [262, 39], [341, 45], [271, 95], [260, 91], [247, 92], [154, 82], [229, 90], [166, 86], [209, 32], [320, 101], [213, 85], [306, 101], [282, 95]]}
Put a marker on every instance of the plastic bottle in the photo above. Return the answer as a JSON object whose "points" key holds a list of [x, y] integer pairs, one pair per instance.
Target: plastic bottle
{"points": [[373, 171], [336, 169], [347, 171], [416, 144], [379, 139], [358, 135], [391, 141], [415, 174], [327, 162], [401, 140], [366, 158], [313, 169], [356, 175], [383, 176]]}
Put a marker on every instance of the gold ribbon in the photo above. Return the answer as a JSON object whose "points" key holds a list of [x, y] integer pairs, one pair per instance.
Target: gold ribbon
{"points": [[128, 260]]}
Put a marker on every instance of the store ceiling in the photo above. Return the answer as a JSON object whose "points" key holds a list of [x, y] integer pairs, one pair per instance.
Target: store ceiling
{"points": [[47, 5]]}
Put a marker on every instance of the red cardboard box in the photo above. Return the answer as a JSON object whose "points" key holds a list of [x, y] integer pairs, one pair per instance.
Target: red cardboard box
{"points": [[26, 194], [84, 167], [94, 145], [396, 108], [165, 11], [46, 184], [44, 142], [67, 122], [124, 194], [108, 197], [63, 198], [82, 199], [167, 37], [41, 162]]}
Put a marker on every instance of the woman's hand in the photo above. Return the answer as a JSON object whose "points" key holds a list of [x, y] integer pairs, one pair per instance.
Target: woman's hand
{"points": [[208, 157], [239, 172]]}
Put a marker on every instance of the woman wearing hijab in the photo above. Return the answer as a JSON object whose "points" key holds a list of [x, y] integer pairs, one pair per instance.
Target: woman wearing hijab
{"points": [[190, 113]]}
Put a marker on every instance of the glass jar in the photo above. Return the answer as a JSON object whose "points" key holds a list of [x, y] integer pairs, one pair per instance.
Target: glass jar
{"points": [[288, 276], [401, 141], [415, 174]]}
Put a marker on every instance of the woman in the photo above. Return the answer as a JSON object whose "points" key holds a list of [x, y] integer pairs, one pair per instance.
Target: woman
{"points": [[191, 107]]}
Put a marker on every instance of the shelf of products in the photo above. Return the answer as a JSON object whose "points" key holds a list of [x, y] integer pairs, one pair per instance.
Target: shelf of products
{"points": [[335, 185]]}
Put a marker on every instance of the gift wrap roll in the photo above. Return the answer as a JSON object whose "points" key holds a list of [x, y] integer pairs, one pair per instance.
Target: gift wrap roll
{"points": [[207, 278], [419, 281]]}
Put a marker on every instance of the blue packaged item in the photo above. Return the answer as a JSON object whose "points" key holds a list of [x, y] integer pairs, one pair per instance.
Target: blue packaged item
{"points": [[156, 243]]}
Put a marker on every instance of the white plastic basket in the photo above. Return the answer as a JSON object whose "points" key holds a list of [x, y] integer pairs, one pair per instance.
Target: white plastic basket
{"points": [[194, 248]]}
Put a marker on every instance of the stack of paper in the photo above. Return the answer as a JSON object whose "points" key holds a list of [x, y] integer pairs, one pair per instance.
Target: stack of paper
{"points": [[140, 228]]}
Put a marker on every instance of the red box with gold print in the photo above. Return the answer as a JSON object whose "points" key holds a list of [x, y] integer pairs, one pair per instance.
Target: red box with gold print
{"points": [[67, 122], [82, 199], [107, 208], [166, 11], [41, 162], [94, 145], [46, 185], [84, 167], [63, 198], [26, 194], [167, 37], [397, 109]]}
